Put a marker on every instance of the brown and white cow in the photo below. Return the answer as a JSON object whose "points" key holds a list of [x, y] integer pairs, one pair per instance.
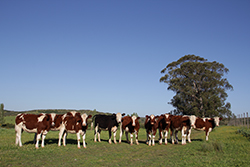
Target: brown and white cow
{"points": [[205, 124], [164, 121], [56, 123], [74, 122], [32, 123], [151, 128], [180, 123], [131, 125]]}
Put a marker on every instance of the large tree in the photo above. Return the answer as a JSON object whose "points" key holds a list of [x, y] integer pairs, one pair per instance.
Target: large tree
{"points": [[199, 85]]}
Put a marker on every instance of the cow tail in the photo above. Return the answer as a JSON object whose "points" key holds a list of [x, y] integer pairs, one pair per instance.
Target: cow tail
{"points": [[92, 122]]}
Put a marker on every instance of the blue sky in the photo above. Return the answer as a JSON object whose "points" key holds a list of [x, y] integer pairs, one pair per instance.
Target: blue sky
{"points": [[107, 55]]}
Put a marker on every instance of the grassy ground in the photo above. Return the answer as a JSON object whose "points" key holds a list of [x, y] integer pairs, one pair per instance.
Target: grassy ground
{"points": [[224, 148]]}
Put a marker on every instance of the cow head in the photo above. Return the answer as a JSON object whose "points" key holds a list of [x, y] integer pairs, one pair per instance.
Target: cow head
{"points": [[192, 119], [167, 118], [53, 119], [119, 117], [85, 118], [134, 118], [152, 119], [217, 120]]}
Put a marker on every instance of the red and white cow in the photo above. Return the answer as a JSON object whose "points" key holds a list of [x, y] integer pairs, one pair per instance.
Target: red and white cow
{"points": [[74, 122], [56, 123], [205, 124], [180, 123], [131, 125], [32, 123], [151, 128], [164, 121]]}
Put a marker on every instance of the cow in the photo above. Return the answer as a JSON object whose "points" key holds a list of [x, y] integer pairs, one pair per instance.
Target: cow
{"points": [[205, 124], [180, 123], [32, 123], [76, 123], [164, 121], [106, 122], [56, 123], [151, 128], [131, 125]]}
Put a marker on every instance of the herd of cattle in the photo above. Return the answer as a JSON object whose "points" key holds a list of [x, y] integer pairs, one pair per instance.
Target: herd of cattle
{"points": [[75, 122]]}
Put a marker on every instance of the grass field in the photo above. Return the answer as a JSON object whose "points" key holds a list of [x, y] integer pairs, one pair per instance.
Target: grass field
{"points": [[224, 148]]}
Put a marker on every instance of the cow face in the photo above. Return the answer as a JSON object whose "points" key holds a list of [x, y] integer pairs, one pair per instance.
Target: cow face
{"points": [[134, 119], [53, 119], [119, 117], [85, 118], [167, 118], [192, 119], [152, 119], [217, 120]]}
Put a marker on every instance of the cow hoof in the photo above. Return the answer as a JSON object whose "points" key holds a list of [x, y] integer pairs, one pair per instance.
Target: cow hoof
{"points": [[79, 147], [153, 145], [160, 143], [37, 147], [84, 147], [131, 144], [166, 143]]}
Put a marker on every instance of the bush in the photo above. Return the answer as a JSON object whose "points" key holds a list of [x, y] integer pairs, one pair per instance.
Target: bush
{"points": [[244, 131]]}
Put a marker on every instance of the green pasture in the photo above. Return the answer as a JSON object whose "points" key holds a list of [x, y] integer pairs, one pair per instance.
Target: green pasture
{"points": [[224, 148]]}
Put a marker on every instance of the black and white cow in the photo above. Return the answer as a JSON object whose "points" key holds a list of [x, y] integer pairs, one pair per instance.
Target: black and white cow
{"points": [[107, 122]]}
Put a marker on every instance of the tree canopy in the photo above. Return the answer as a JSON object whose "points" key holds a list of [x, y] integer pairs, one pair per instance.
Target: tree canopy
{"points": [[200, 86]]}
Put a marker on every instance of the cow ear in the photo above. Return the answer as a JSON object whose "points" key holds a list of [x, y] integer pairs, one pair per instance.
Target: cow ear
{"points": [[123, 114], [146, 116], [89, 116], [220, 118], [138, 117]]}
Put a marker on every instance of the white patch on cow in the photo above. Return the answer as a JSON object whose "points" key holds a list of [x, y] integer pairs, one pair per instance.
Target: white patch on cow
{"points": [[84, 119], [152, 116], [216, 121], [192, 119], [73, 113], [166, 116], [114, 129], [40, 119], [133, 120], [118, 117], [126, 129]]}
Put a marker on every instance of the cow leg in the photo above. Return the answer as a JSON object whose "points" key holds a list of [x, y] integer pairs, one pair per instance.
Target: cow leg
{"points": [[61, 132], [37, 139], [127, 136], [83, 139], [149, 138], [136, 137], [120, 139], [43, 138], [18, 135], [110, 137], [153, 140], [189, 134], [166, 137], [115, 137], [99, 135], [176, 137], [78, 139], [173, 138], [160, 135], [64, 138], [207, 133], [183, 135], [131, 138], [96, 129]]}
